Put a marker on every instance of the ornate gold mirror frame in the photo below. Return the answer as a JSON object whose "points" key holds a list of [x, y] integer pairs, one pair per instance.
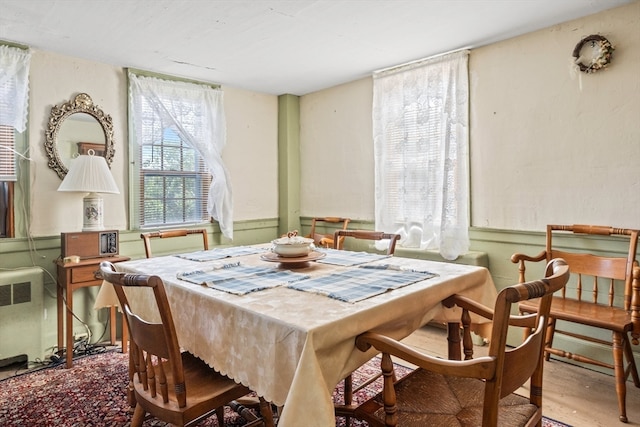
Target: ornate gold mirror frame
{"points": [[82, 103]]}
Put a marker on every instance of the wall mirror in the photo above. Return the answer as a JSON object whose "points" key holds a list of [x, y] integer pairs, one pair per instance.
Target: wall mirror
{"points": [[74, 128]]}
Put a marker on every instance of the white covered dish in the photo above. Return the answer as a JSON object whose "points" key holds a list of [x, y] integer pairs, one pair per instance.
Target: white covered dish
{"points": [[294, 246]]}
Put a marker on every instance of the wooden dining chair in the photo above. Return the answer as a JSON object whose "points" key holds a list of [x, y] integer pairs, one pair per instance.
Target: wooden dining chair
{"points": [[346, 409], [475, 392], [170, 385], [594, 299], [325, 240], [166, 234], [367, 235]]}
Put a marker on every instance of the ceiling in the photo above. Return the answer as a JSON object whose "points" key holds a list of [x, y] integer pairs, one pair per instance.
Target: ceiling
{"points": [[275, 47]]}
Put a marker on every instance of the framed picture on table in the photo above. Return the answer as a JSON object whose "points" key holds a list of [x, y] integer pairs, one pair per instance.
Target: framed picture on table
{"points": [[98, 148]]}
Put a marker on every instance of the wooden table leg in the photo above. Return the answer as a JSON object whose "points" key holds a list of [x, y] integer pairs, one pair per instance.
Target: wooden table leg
{"points": [[60, 313], [125, 330], [69, 326], [453, 338], [112, 324]]}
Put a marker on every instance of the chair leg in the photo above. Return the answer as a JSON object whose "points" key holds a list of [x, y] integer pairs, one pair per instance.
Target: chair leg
{"points": [[131, 396], [348, 397], [266, 413], [631, 362], [243, 408], [125, 334], [551, 329], [220, 415], [618, 364], [138, 416]]}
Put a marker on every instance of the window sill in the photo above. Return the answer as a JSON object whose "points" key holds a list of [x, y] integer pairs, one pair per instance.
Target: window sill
{"points": [[480, 259]]}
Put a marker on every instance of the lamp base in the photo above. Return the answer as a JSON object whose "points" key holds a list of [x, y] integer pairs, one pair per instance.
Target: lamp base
{"points": [[92, 213]]}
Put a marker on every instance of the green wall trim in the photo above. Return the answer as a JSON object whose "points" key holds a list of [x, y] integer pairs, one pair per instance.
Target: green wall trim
{"points": [[289, 162], [498, 245]]}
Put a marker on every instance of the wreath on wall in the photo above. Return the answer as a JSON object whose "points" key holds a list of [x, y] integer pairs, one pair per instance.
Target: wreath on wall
{"points": [[593, 53]]}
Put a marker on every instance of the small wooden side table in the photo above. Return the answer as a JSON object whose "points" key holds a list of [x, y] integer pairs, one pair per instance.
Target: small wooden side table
{"points": [[72, 276]]}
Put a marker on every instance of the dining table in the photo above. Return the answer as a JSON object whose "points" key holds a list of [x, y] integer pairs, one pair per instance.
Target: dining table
{"points": [[286, 327]]}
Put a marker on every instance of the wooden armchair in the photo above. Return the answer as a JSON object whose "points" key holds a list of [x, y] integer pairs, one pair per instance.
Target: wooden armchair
{"points": [[367, 235], [146, 237], [595, 300], [346, 409], [476, 392], [168, 384], [326, 240]]}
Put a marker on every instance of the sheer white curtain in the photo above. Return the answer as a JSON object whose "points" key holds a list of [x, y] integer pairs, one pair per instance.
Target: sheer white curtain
{"points": [[14, 82], [420, 131], [200, 122], [14, 102]]}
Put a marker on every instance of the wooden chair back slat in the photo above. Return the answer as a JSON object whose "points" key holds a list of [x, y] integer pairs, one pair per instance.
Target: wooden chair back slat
{"points": [[368, 235], [167, 234], [325, 240], [593, 265]]}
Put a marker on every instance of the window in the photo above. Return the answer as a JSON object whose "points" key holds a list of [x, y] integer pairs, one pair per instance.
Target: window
{"points": [[179, 132], [174, 182], [8, 175], [14, 91], [420, 119]]}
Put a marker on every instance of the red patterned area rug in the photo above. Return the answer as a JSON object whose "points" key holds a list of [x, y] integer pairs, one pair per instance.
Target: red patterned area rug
{"points": [[93, 394]]}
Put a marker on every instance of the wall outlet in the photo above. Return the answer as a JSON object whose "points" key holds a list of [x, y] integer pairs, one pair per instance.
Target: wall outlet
{"points": [[80, 336]]}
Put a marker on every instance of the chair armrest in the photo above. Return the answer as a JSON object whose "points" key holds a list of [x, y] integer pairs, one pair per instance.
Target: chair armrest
{"points": [[527, 321], [468, 304], [482, 367], [520, 259], [524, 321], [326, 242]]}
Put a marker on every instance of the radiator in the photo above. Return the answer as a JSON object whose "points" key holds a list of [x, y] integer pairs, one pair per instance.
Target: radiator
{"points": [[21, 313]]}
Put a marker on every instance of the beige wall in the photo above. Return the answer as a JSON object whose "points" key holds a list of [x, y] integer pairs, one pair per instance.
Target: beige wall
{"points": [[250, 154], [336, 152], [547, 144], [552, 145], [55, 79], [535, 124]]}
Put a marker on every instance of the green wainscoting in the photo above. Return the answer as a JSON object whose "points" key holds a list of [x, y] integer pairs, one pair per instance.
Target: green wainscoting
{"points": [[42, 252], [489, 247]]}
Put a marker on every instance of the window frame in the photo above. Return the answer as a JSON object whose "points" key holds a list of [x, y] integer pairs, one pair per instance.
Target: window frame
{"points": [[136, 173], [17, 192], [201, 176], [421, 151]]}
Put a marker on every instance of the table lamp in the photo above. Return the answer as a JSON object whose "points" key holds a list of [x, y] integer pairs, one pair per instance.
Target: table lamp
{"points": [[89, 173]]}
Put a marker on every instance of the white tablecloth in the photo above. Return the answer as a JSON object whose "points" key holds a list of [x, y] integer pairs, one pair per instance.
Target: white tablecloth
{"points": [[293, 347]]}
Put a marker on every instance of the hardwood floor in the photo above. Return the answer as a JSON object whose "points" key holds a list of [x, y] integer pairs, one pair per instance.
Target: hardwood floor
{"points": [[571, 394]]}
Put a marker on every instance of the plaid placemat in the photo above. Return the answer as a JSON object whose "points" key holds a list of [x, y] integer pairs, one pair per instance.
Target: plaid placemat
{"points": [[361, 283], [239, 279], [220, 253], [348, 258]]}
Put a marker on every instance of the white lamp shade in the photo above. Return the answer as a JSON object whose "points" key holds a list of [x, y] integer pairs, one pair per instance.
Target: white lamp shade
{"points": [[89, 174]]}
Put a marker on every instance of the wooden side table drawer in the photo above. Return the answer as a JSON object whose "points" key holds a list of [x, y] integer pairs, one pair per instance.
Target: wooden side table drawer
{"points": [[83, 274]]}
